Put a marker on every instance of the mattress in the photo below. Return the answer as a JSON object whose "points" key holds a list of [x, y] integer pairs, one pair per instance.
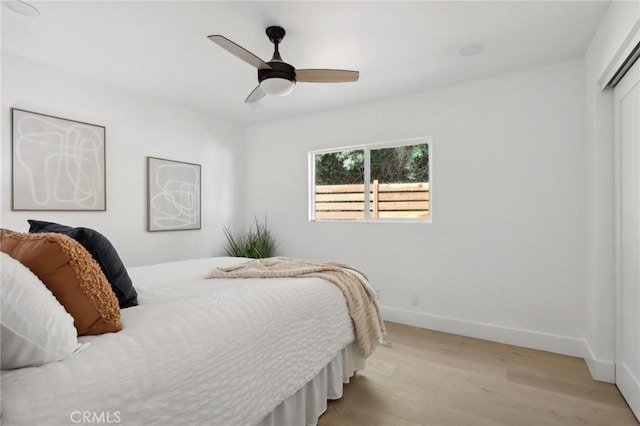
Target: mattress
{"points": [[195, 351]]}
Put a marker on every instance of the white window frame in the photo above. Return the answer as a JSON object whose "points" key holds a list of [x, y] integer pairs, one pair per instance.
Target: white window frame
{"points": [[367, 179]]}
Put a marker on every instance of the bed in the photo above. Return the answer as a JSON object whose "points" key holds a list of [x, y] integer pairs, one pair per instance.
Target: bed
{"points": [[200, 351]]}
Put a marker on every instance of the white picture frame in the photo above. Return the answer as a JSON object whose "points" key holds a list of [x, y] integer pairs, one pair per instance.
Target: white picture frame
{"points": [[174, 195], [57, 164]]}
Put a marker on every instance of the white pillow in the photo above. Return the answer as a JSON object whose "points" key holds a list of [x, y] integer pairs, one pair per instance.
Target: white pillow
{"points": [[36, 329]]}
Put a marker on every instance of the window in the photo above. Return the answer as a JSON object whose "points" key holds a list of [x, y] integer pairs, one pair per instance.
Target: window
{"points": [[375, 182]]}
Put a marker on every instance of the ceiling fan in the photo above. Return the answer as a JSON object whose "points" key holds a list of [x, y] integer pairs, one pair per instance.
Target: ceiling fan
{"points": [[276, 77]]}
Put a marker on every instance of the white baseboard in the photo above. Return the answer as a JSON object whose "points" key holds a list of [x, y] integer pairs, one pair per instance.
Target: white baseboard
{"points": [[629, 386], [530, 339], [604, 371]]}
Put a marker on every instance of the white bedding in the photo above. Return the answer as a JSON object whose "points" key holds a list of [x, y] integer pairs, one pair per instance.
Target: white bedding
{"points": [[196, 351]]}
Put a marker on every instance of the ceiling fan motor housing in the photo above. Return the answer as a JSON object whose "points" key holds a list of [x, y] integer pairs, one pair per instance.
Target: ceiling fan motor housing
{"points": [[278, 70]]}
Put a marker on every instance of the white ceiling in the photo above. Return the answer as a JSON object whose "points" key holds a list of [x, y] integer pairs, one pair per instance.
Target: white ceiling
{"points": [[161, 49]]}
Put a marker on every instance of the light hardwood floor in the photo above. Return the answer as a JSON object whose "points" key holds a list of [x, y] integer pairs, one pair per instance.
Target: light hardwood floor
{"points": [[424, 377]]}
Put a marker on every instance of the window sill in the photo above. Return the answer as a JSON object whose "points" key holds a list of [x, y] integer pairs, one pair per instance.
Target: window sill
{"points": [[414, 221]]}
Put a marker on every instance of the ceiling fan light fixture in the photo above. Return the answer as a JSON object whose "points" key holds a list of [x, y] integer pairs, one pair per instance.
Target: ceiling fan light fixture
{"points": [[277, 86]]}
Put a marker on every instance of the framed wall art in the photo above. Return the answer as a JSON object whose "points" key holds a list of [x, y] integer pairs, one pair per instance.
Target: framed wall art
{"points": [[173, 195], [57, 163]]}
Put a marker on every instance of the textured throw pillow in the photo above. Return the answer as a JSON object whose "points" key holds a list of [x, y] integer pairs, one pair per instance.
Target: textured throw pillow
{"points": [[35, 327], [103, 252], [74, 278]]}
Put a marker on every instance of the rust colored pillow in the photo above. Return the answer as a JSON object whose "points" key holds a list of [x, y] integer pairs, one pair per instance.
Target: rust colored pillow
{"points": [[71, 274]]}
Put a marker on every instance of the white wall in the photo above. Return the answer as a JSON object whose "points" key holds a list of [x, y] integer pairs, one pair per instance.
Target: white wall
{"points": [[136, 127], [621, 20], [505, 256]]}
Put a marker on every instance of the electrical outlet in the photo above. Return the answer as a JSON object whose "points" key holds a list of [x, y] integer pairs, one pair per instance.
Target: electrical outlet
{"points": [[415, 299], [378, 294]]}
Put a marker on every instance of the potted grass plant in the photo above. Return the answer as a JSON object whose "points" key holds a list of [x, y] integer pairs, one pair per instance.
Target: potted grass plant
{"points": [[256, 243]]}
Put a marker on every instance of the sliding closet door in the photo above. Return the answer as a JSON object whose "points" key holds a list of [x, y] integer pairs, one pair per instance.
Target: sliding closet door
{"points": [[627, 138]]}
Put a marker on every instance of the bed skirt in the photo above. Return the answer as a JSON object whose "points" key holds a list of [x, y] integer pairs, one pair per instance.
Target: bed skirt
{"points": [[305, 406]]}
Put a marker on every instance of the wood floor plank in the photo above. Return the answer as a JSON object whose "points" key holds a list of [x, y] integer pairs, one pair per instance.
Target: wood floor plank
{"points": [[424, 377]]}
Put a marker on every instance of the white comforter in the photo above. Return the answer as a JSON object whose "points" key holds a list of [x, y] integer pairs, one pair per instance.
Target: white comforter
{"points": [[196, 351]]}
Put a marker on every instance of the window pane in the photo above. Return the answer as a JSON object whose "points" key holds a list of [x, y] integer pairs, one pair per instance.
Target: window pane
{"points": [[339, 185], [400, 182]]}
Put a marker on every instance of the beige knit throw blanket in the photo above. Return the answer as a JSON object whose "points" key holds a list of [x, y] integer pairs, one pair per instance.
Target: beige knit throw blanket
{"points": [[360, 296]]}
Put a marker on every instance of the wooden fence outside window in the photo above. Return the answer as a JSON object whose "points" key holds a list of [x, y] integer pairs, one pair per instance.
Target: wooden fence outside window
{"points": [[387, 201]]}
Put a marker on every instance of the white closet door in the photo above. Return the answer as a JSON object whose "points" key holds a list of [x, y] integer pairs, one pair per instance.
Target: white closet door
{"points": [[627, 137]]}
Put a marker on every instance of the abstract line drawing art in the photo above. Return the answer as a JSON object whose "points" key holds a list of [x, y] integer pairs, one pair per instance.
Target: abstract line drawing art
{"points": [[174, 195], [58, 164]]}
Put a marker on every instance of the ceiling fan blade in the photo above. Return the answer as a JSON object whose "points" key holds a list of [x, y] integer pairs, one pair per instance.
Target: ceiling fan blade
{"points": [[239, 51], [255, 95], [326, 76]]}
